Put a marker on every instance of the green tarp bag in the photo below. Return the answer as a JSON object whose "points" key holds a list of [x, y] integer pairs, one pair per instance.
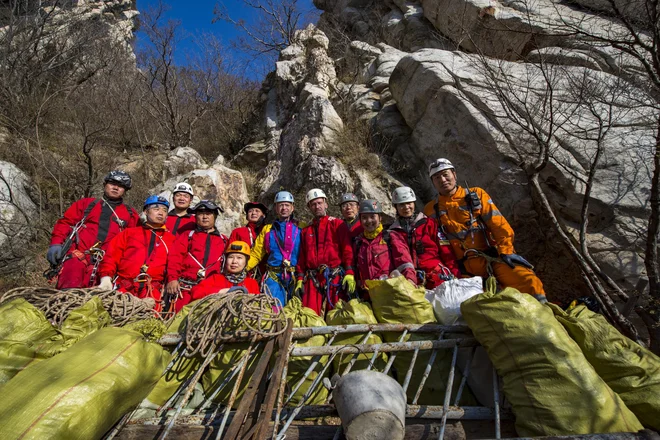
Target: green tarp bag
{"points": [[398, 301], [82, 392], [183, 367], [633, 372], [26, 337], [552, 388], [305, 317], [29, 337], [350, 313], [83, 321]]}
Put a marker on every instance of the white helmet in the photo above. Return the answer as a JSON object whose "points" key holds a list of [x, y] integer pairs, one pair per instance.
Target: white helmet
{"points": [[440, 165], [403, 194], [183, 187], [314, 194], [283, 196]]}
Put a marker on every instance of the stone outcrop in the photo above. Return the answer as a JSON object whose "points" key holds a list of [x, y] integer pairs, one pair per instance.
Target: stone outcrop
{"points": [[17, 214], [301, 127], [409, 72], [219, 183]]}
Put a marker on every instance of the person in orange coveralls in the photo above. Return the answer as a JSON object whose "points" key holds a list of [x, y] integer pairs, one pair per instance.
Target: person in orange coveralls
{"points": [[479, 234]]}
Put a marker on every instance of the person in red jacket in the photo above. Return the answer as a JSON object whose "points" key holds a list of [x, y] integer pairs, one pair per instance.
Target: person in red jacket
{"points": [[88, 226], [233, 275], [378, 253], [255, 214], [136, 258], [430, 249], [325, 263], [349, 212], [195, 255], [179, 219]]}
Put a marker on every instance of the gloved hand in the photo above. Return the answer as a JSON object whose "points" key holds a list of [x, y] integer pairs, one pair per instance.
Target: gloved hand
{"points": [[106, 283], [513, 259], [298, 290], [53, 254], [237, 289], [349, 283]]}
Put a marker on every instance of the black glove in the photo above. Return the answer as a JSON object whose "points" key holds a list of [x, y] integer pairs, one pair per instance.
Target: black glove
{"points": [[53, 254], [515, 259]]}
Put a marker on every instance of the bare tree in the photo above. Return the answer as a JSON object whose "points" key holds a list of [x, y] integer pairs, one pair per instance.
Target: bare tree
{"points": [[273, 29]]}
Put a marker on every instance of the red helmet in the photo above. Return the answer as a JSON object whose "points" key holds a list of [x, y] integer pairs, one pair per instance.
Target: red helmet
{"points": [[250, 205]]}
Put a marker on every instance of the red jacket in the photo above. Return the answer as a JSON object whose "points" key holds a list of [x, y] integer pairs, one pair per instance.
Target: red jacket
{"points": [[194, 251], [101, 224], [128, 251], [375, 258], [247, 233], [355, 229], [327, 242], [429, 247], [179, 225], [217, 282]]}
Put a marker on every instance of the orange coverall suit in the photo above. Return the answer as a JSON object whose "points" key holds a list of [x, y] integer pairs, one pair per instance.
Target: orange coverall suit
{"points": [[454, 216]]}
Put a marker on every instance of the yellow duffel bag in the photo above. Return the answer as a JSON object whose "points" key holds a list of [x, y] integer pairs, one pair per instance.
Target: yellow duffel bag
{"points": [[552, 388], [632, 371]]}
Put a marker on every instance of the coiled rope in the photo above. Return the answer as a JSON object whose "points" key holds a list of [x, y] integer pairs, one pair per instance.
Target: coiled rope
{"points": [[222, 316], [57, 304]]}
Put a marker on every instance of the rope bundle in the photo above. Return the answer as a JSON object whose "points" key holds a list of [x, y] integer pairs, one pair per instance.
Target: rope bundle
{"points": [[56, 304], [222, 316]]}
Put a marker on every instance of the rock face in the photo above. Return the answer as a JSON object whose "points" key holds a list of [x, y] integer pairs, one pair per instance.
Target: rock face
{"points": [[408, 71], [301, 129], [17, 211]]}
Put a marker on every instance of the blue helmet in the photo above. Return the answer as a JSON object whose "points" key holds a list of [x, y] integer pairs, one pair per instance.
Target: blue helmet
{"points": [[156, 200], [283, 196]]}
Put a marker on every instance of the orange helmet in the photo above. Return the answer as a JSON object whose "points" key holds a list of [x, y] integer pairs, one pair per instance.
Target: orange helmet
{"points": [[238, 247]]}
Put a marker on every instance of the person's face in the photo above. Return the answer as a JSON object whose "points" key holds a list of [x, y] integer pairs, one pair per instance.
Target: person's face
{"points": [[444, 182], [370, 221], [318, 207], [349, 210], [254, 214], [113, 191], [235, 263], [284, 210], [156, 214], [205, 219], [182, 200], [405, 209]]}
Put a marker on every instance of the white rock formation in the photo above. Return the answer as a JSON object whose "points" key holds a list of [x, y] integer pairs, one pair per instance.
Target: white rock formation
{"points": [[17, 213], [224, 186]]}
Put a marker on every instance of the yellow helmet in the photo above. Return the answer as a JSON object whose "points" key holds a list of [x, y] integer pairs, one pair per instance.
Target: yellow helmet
{"points": [[238, 247]]}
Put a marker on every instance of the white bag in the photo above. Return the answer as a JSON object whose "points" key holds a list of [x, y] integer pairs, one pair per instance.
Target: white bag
{"points": [[446, 299]]}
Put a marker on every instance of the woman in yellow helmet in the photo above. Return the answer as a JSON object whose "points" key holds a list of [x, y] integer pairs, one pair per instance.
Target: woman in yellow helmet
{"points": [[233, 274]]}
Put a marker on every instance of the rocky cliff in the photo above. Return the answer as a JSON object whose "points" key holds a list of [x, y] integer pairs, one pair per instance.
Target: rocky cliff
{"points": [[455, 79]]}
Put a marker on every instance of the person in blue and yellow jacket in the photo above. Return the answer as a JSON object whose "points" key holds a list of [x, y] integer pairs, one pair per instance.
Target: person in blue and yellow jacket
{"points": [[279, 243]]}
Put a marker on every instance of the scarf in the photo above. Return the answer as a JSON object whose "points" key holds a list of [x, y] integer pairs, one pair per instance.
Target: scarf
{"points": [[372, 235], [236, 278]]}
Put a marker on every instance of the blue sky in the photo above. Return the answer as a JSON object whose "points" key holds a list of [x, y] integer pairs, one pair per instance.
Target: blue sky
{"points": [[197, 19]]}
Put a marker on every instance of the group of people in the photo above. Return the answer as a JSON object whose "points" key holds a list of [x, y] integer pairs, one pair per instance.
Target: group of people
{"points": [[177, 256]]}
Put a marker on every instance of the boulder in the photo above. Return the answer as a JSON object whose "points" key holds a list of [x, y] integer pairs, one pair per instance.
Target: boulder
{"points": [[218, 183], [182, 160], [17, 214], [454, 109]]}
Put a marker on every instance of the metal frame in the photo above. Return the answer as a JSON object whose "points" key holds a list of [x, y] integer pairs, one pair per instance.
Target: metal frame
{"points": [[283, 416]]}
